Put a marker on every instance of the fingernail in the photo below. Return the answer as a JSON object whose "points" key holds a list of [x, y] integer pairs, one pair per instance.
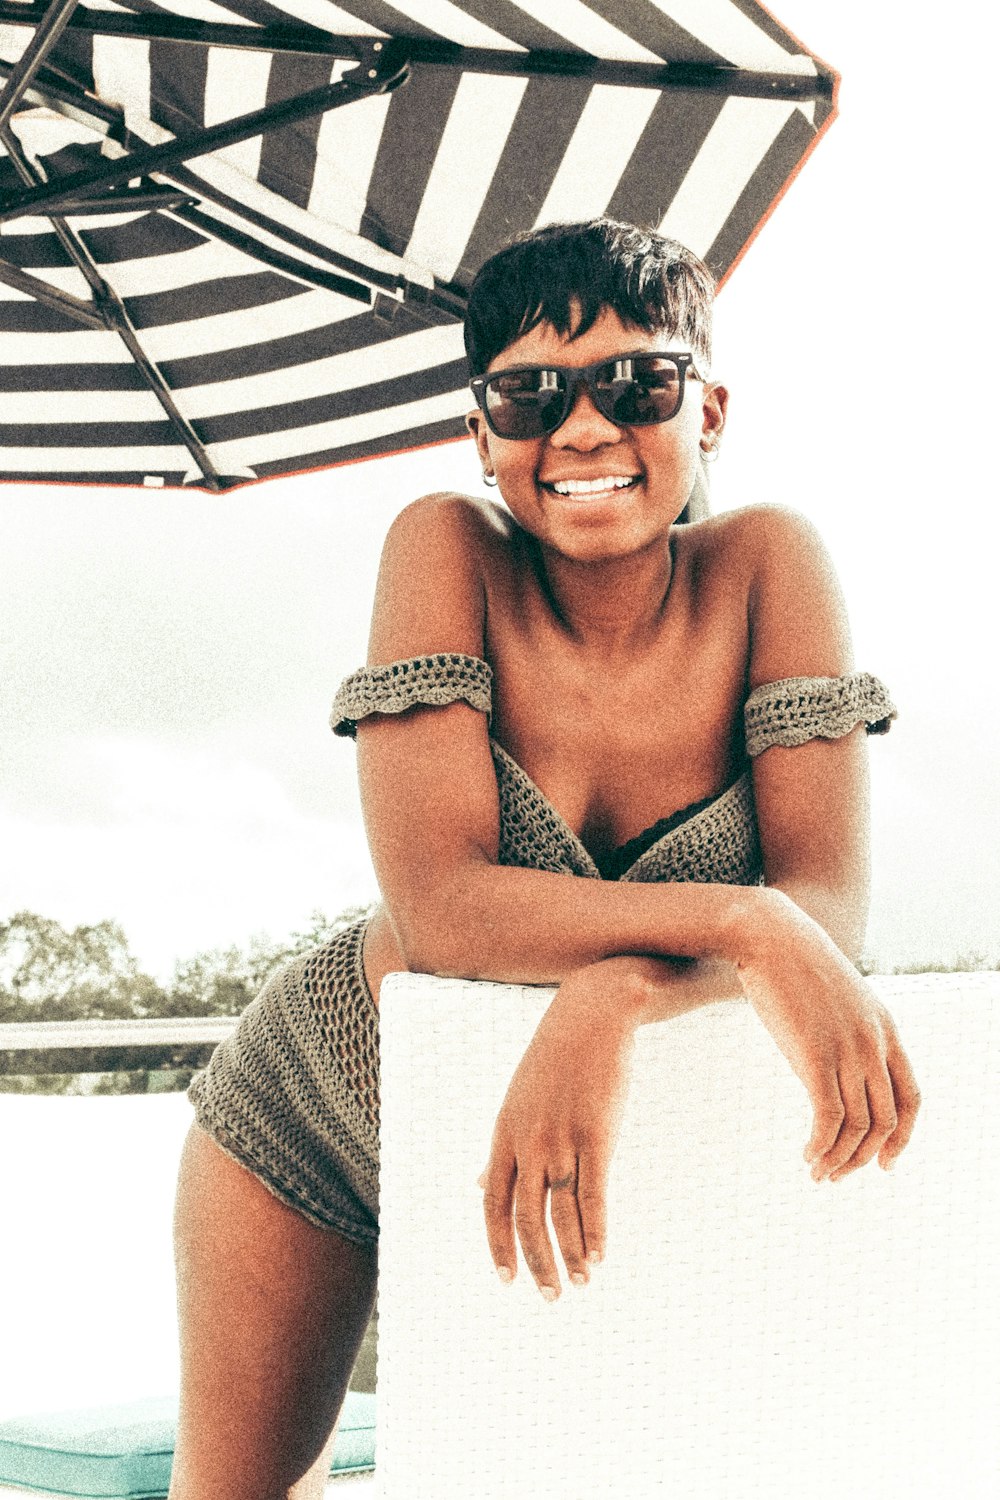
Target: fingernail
{"points": [[578, 1278], [595, 1257], [549, 1293], [506, 1274]]}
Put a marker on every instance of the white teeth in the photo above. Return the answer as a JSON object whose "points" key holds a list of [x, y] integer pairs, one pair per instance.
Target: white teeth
{"points": [[591, 486]]}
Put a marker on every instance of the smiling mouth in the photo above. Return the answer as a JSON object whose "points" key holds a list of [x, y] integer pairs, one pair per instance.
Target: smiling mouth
{"points": [[581, 488]]}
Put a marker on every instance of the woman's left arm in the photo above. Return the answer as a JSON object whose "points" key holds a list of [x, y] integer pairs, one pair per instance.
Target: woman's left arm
{"points": [[812, 799]]}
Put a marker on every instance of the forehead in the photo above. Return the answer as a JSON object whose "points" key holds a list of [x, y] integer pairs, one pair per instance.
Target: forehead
{"points": [[607, 337]]}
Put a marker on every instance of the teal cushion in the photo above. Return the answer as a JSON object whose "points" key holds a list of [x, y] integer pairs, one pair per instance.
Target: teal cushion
{"points": [[125, 1452]]}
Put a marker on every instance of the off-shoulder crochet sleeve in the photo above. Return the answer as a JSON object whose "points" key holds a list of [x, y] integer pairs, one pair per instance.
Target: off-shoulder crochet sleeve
{"points": [[798, 709], [429, 680]]}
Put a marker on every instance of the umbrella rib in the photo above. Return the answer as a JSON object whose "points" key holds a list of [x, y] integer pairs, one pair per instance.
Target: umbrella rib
{"points": [[444, 299], [112, 312], [230, 235], [433, 52], [290, 265], [51, 296], [84, 107], [448, 299], [128, 201], [389, 71], [50, 28], [57, 93]]}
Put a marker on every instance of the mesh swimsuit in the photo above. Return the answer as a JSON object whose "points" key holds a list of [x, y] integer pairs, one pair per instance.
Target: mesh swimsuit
{"points": [[293, 1093]]}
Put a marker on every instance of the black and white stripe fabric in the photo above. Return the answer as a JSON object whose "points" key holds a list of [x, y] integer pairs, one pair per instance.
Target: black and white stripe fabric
{"points": [[274, 373]]}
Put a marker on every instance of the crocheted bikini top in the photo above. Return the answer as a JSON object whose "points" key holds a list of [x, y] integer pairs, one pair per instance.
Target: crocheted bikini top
{"points": [[715, 840]]}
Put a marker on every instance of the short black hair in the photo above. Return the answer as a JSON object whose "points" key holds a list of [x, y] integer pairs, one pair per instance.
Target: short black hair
{"points": [[567, 274]]}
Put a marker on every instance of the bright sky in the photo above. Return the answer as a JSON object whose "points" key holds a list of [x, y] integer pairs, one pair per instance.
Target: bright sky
{"points": [[167, 662]]}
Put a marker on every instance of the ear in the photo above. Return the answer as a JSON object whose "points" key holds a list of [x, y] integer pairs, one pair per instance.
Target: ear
{"points": [[715, 403], [476, 423]]}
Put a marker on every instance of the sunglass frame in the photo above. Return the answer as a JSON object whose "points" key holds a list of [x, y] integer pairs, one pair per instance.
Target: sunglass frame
{"points": [[575, 376]]}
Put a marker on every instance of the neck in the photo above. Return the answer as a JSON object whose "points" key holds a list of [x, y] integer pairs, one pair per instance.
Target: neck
{"points": [[614, 606]]}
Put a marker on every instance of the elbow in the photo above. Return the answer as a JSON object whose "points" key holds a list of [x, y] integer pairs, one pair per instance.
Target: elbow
{"points": [[840, 909], [439, 927], [422, 951], [417, 929]]}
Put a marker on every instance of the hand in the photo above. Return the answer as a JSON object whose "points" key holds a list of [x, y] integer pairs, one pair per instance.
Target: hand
{"points": [[555, 1134], [843, 1045]]}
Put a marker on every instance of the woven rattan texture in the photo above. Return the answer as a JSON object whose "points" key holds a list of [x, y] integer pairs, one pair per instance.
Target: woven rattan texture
{"points": [[751, 1335]]}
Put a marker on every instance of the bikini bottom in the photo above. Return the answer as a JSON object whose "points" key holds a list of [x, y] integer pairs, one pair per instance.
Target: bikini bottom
{"points": [[293, 1093]]}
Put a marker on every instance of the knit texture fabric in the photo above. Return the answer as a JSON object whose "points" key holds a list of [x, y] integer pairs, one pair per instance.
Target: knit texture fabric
{"points": [[428, 680], [293, 1094], [807, 708], [718, 842]]}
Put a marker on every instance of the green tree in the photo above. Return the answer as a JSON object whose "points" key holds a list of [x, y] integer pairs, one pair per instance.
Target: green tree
{"points": [[52, 973], [223, 981]]}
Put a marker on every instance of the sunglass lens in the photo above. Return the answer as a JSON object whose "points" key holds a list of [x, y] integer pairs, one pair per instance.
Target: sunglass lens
{"points": [[639, 391], [526, 403]]}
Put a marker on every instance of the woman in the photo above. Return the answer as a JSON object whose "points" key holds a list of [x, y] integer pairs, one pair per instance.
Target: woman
{"points": [[585, 733]]}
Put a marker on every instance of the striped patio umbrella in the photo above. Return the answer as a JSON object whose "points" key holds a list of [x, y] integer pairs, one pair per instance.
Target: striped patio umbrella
{"points": [[235, 240]]}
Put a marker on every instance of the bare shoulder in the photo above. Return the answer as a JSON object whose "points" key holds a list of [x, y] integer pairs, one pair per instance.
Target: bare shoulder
{"points": [[760, 548], [755, 536], [796, 610], [447, 525], [431, 590], [771, 560]]}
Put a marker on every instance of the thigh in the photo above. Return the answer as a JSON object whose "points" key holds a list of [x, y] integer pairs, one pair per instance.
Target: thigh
{"points": [[272, 1310]]}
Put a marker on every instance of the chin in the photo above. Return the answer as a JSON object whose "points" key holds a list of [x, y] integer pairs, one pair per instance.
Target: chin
{"points": [[603, 544]]}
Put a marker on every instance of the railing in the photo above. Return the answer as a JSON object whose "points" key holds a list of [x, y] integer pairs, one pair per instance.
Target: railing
{"points": [[29, 1048]]}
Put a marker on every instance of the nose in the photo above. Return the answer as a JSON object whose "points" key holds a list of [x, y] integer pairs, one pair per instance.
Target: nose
{"points": [[585, 428]]}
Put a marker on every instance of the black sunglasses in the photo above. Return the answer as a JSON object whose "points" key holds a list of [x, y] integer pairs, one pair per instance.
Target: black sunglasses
{"points": [[633, 390]]}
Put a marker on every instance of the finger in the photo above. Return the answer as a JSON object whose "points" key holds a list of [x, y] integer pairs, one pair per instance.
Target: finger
{"points": [[529, 1220], [882, 1110], [828, 1113], [566, 1222], [497, 1183], [591, 1199], [907, 1099], [856, 1125]]}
